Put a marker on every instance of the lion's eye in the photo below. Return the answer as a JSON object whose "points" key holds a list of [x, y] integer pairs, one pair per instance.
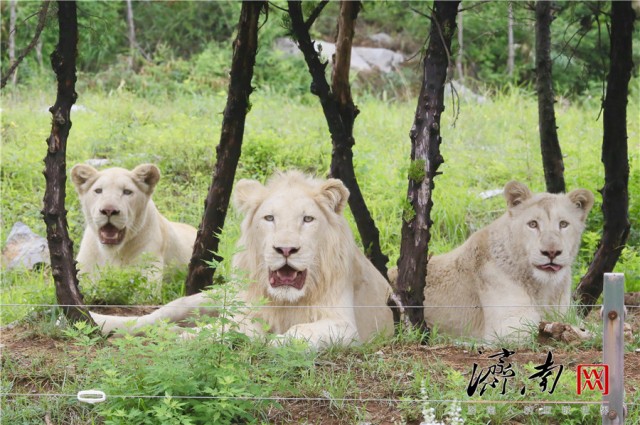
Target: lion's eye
{"points": [[127, 192], [533, 224], [98, 190], [564, 224], [268, 217], [308, 219]]}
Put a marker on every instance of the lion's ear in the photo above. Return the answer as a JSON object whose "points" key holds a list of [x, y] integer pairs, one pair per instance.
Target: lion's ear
{"points": [[148, 175], [516, 193], [583, 200], [81, 174], [334, 193], [247, 194]]}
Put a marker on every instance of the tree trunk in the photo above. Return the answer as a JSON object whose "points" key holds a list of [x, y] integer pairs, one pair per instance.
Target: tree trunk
{"points": [[615, 193], [425, 160], [63, 62], [459, 56], [13, 5], [511, 51], [550, 146], [132, 34], [340, 113], [228, 151]]}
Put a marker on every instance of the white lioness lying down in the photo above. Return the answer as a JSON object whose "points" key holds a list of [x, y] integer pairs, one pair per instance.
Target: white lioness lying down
{"points": [[122, 223], [515, 269], [299, 254]]}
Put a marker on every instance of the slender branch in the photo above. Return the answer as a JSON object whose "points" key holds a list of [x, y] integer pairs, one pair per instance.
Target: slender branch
{"points": [[315, 13], [42, 19]]}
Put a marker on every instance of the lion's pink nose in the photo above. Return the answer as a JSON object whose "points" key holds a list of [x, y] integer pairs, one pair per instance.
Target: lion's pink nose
{"points": [[551, 254], [286, 251], [109, 211]]}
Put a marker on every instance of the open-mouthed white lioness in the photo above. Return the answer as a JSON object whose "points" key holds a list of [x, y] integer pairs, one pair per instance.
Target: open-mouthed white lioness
{"points": [[122, 223], [298, 253], [511, 272]]}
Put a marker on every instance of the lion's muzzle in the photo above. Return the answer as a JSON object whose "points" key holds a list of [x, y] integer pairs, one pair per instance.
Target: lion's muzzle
{"points": [[287, 276]]}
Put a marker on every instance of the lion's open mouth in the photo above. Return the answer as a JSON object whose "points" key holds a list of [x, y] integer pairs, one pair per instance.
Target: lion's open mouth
{"points": [[110, 234], [549, 267], [287, 276]]}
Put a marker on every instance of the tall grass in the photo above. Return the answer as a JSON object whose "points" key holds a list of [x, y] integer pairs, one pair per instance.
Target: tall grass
{"points": [[484, 146]]}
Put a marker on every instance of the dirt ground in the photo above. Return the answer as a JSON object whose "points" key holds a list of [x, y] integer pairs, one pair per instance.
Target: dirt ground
{"points": [[23, 347]]}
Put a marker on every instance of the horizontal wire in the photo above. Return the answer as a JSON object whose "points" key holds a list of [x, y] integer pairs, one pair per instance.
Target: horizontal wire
{"points": [[294, 306], [343, 399]]}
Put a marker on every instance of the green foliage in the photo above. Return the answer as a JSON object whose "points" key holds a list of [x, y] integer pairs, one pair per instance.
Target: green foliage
{"points": [[216, 375], [186, 46], [133, 285]]}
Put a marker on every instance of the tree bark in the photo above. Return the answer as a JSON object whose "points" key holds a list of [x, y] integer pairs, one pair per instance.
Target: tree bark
{"points": [[425, 160], [460, 55], [511, 51], [63, 62], [132, 34], [340, 113], [615, 193], [552, 162], [228, 151], [13, 5]]}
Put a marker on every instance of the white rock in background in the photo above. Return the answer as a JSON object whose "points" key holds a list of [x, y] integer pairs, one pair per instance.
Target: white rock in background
{"points": [[490, 193], [24, 248], [377, 57], [97, 162], [463, 92], [381, 39], [362, 58]]}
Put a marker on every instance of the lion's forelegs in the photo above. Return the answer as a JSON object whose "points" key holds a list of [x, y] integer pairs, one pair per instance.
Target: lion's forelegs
{"points": [[325, 332], [173, 312]]}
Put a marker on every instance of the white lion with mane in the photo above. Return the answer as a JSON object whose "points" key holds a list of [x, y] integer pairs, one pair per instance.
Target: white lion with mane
{"points": [[122, 223], [299, 254], [512, 272]]}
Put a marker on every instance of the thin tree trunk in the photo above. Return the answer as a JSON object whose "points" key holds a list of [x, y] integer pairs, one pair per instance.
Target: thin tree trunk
{"points": [[511, 52], [42, 18], [340, 113], [615, 193], [228, 151], [460, 54], [63, 62], [425, 160], [132, 34], [13, 15], [552, 162], [38, 49]]}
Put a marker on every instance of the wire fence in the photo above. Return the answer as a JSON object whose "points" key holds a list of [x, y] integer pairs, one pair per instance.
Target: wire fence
{"points": [[97, 396]]}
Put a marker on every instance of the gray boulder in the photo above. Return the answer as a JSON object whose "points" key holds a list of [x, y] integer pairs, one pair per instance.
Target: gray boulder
{"points": [[24, 248]]}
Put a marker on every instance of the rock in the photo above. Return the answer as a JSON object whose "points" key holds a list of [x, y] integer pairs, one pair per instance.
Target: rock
{"points": [[362, 58], [381, 39], [562, 332], [24, 249], [632, 299], [97, 162], [463, 93], [490, 193], [379, 58]]}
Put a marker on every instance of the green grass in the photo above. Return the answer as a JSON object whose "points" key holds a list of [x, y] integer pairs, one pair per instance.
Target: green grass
{"points": [[490, 144]]}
